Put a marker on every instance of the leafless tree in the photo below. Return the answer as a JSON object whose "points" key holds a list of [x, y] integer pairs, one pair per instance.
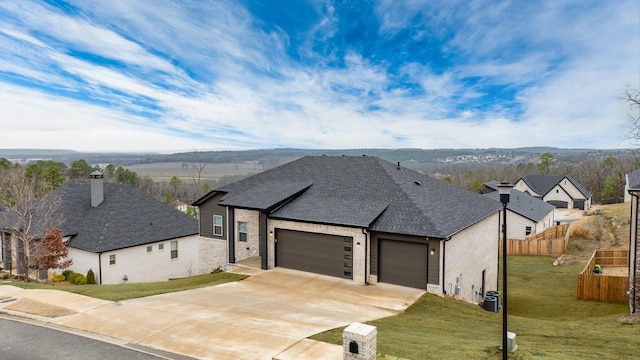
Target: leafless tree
{"points": [[28, 215], [632, 98], [197, 171]]}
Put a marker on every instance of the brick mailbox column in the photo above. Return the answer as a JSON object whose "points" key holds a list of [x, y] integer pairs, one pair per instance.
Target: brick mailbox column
{"points": [[359, 342]]}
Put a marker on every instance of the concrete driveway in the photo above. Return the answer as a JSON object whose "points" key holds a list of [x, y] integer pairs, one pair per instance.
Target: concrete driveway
{"points": [[267, 316]]}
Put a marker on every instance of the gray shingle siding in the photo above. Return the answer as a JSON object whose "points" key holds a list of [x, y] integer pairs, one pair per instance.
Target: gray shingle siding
{"points": [[206, 212]]}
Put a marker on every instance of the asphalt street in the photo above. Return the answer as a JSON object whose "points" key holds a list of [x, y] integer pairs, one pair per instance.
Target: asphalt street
{"points": [[23, 341]]}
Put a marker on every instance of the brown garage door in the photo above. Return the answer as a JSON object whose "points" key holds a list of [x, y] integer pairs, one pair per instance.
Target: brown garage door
{"points": [[403, 263], [313, 252]]}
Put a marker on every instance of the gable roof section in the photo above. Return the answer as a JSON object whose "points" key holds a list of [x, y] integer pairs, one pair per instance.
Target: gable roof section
{"points": [[633, 180], [525, 205], [266, 195], [370, 192], [492, 185], [542, 184], [579, 186], [127, 217]]}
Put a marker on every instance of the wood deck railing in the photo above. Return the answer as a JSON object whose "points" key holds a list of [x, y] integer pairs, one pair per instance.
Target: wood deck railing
{"points": [[605, 288]]}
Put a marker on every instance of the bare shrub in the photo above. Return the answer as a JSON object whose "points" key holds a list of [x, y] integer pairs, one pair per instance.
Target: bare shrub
{"points": [[579, 232], [598, 235]]}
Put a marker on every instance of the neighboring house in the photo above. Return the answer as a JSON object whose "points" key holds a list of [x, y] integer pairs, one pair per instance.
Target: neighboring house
{"points": [[180, 205], [558, 190], [526, 215], [490, 187], [359, 218], [633, 188], [122, 234]]}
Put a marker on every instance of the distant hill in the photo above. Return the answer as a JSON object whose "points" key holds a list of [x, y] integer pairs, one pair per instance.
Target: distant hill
{"points": [[274, 157]]}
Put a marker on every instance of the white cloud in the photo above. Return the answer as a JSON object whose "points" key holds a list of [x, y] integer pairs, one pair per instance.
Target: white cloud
{"points": [[208, 78], [69, 124]]}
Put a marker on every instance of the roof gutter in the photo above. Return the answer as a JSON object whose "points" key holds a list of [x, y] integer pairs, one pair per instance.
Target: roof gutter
{"points": [[632, 280], [444, 268], [366, 256], [100, 268]]}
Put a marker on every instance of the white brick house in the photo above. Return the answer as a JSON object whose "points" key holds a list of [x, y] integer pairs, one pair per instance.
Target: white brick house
{"points": [[558, 190], [526, 215], [360, 218], [123, 234]]}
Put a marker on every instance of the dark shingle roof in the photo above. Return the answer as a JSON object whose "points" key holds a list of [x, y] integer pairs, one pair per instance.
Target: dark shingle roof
{"points": [[6, 219], [542, 184], [127, 217], [492, 185], [370, 192], [633, 180], [525, 205], [265, 195]]}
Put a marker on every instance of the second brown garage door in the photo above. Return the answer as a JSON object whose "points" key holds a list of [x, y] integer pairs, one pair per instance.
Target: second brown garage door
{"points": [[317, 253], [403, 263]]}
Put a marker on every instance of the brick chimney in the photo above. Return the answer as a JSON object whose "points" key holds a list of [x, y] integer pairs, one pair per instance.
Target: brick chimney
{"points": [[97, 191]]}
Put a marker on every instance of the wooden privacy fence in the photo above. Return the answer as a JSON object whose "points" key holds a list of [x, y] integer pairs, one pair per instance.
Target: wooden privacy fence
{"points": [[549, 242], [605, 288]]}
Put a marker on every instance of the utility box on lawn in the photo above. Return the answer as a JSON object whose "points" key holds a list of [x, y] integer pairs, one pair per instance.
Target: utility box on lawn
{"points": [[512, 346]]}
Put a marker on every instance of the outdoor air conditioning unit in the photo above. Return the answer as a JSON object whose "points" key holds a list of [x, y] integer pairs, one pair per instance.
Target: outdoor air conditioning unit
{"points": [[512, 346]]}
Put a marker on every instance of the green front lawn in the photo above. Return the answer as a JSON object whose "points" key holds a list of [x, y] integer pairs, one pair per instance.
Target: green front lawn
{"points": [[543, 311], [136, 290]]}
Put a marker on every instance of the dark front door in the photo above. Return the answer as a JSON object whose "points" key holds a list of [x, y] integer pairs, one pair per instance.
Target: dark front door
{"points": [[313, 252]]}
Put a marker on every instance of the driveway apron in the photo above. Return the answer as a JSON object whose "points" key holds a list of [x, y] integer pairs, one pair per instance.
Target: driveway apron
{"points": [[257, 318]]}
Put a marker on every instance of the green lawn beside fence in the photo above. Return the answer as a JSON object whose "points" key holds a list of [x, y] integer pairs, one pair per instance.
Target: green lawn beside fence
{"points": [[543, 311]]}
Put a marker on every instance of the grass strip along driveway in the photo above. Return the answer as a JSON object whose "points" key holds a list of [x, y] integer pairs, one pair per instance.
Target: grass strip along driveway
{"points": [[136, 290], [543, 311]]}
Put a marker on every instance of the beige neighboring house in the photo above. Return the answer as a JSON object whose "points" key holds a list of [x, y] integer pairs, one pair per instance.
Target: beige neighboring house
{"points": [[526, 215], [180, 206], [633, 188], [359, 218], [561, 191]]}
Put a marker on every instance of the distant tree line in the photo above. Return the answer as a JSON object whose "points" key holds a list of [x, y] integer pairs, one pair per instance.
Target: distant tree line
{"points": [[46, 175], [603, 177]]}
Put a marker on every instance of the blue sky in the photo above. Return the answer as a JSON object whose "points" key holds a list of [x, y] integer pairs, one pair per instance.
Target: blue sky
{"points": [[121, 75]]}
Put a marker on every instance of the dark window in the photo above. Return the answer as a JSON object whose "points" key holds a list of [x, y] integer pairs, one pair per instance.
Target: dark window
{"points": [[149, 249], [528, 230], [242, 231], [112, 259], [160, 247]]}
